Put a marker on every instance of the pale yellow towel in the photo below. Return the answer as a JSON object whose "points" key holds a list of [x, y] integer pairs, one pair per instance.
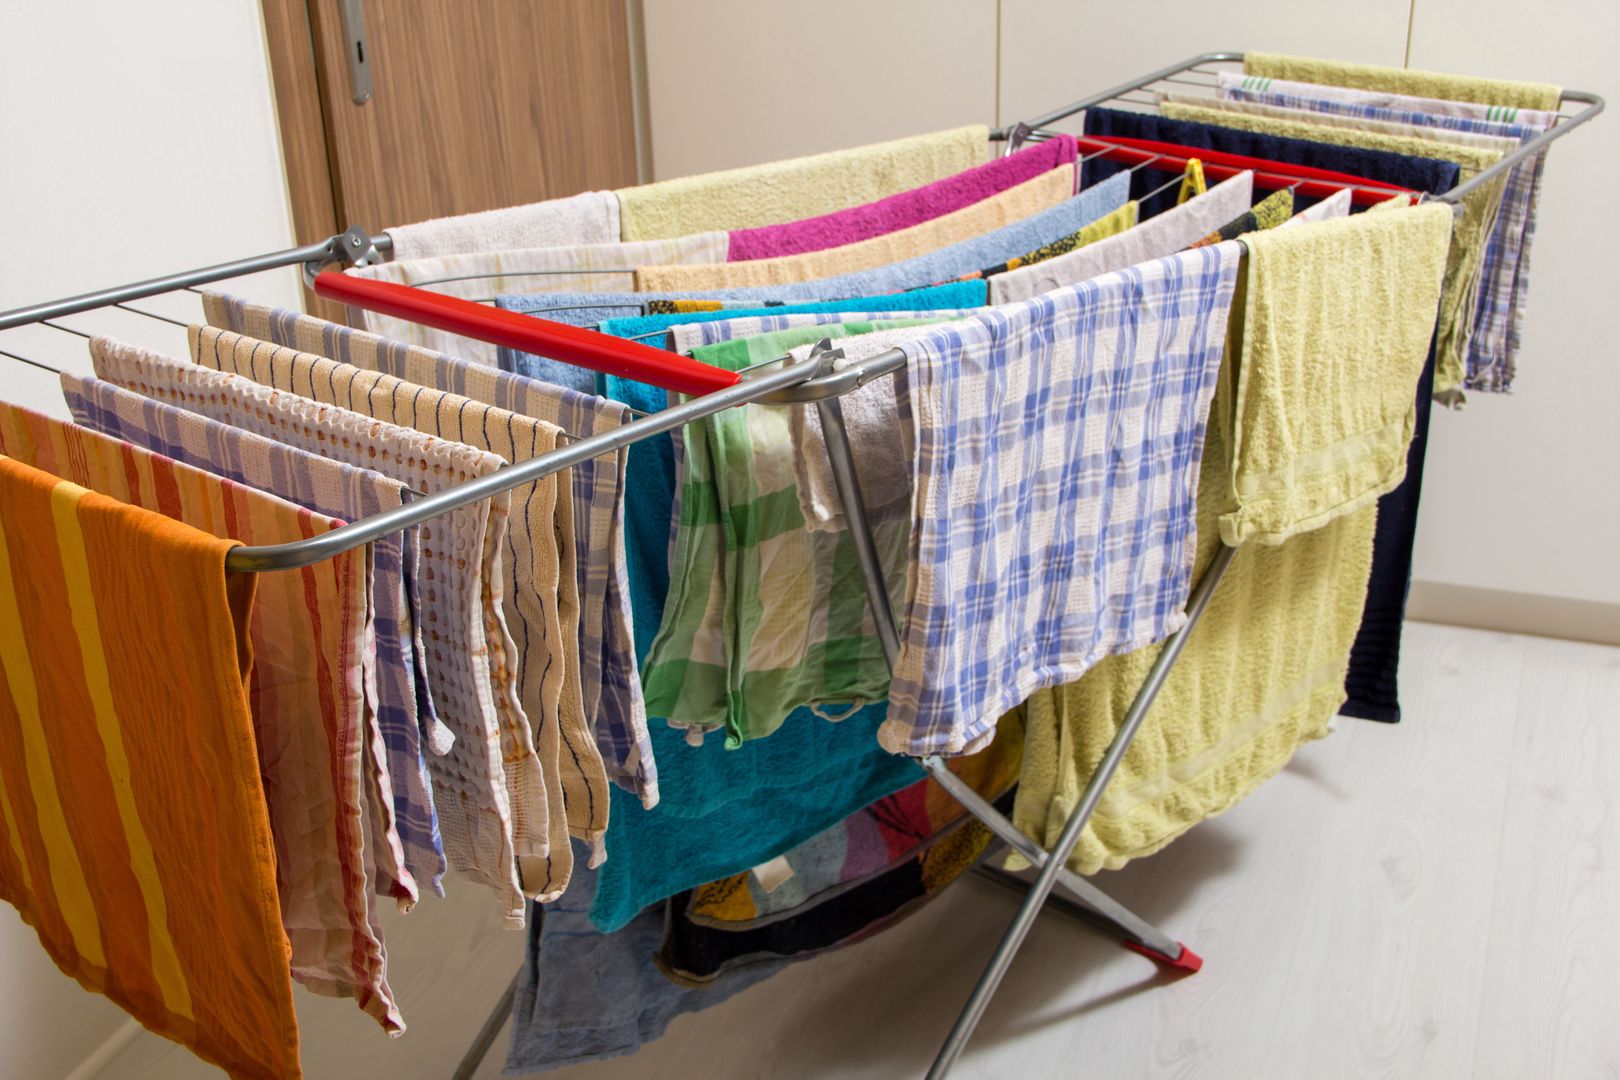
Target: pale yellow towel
{"points": [[1468, 241], [1004, 208], [1523, 95], [783, 191]]}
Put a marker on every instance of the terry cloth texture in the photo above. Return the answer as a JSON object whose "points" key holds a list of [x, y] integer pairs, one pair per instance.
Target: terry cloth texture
{"points": [[1522, 95], [908, 208], [309, 692], [348, 494], [1156, 237], [610, 686], [1004, 208], [1057, 444], [957, 294], [476, 275], [1505, 276], [783, 191], [1480, 209], [551, 758], [157, 893], [1357, 298], [873, 841], [587, 996], [464, 630], [1122, 220], [762, 616], [588, 218]]}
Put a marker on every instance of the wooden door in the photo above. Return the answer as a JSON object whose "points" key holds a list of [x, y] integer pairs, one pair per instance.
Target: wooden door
{"points": [[475, 104]]}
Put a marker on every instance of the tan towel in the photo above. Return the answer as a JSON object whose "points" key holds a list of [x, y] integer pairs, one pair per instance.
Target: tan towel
{"points": [[1523, 95], [1468, 241], [484, 274], [1004, 208], [588, 218], [782, 191]]}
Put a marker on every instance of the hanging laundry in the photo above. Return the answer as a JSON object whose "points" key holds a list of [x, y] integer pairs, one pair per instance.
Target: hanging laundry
{"points": [[1268, 213], [1041, 548], [1334, 206], [896, 212], [307, 635], [349, 494], [551, 756], [1121, 220], [798, 188], [610, 683], [160, 896], [1042, 192], [588, 218], [952, 296], [464, 628], [1504, 92]]}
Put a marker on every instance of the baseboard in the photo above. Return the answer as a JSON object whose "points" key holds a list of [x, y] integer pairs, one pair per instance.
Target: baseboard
{"points": [[1515, 612]]}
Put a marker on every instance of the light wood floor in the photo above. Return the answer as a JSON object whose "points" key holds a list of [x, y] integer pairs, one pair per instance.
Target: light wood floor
{"points": [[1435, 899]]}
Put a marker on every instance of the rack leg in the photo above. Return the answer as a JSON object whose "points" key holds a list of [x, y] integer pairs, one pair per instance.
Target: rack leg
{"points": [[486, 1034]]}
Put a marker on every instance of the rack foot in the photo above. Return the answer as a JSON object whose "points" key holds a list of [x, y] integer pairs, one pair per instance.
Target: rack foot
{"points": [[1187, 962]]}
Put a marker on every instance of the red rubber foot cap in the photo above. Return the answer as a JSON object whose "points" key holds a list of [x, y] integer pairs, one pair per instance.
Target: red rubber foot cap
{"points": [[1188, 961]]}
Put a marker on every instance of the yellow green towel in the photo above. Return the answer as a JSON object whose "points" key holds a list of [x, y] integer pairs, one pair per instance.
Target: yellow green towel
{"points": [[1003, 208], [804, 187], [1468, 239], [1523, 95]]}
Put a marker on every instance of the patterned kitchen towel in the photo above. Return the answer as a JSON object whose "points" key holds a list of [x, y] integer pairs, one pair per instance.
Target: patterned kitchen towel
{"points": [[1501, 92]]}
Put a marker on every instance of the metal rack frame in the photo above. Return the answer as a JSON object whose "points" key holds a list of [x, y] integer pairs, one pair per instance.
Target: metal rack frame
{"points": [[818, 380]]}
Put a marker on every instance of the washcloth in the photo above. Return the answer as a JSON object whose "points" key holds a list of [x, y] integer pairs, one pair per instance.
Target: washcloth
{"points": [[160, 895], [1268, 213], [1121, 220], [1352, 304], [610, 685], [1057, 444], [1522, 95], [552, 765], [905, 209], [1005, 208], [784, 191], [348, 494], [762, 616], [1155, 238], [1478, 219], [308, 716], [958, 294], [464, 628], [591, 217], [482, 274], [1505, 275]]}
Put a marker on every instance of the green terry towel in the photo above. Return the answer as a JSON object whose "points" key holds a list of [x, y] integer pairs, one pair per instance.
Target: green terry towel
{"points": [[1523, 95], [1468, 241], [798, 188]]}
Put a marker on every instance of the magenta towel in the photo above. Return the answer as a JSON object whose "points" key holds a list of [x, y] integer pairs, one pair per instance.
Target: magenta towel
{"points": [[905, 209]]}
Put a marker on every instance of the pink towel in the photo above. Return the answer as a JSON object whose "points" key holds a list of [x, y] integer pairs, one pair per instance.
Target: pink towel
{"points": [[905, 209]]}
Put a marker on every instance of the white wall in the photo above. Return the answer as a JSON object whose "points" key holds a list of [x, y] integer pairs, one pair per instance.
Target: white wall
{"points": [[1521, 490]]}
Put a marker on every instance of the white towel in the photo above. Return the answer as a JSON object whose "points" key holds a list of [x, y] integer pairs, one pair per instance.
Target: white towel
{"points": [[1334, 206], [588, 218]]}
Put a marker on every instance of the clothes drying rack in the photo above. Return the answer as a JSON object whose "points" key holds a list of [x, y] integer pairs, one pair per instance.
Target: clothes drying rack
{"points": [[820, 379]]}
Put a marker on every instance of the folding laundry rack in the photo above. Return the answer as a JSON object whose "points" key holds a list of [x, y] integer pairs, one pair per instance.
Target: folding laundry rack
{"points": [[822, 379]]}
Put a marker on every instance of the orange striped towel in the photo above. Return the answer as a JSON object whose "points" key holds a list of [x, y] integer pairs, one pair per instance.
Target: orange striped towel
{"points": [[305, 692], [135, 837]]}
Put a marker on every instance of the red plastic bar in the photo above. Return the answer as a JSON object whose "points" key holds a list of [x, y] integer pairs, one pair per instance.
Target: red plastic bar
{"points": [[1219, 165], [559, 341]]}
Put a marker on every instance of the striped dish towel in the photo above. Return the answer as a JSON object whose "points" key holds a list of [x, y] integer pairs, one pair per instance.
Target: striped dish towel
{"points": [[308, 633], [464, 627]]}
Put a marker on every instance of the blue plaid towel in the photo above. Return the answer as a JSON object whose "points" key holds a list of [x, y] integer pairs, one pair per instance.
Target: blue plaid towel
{"points": [[1056, 470]]}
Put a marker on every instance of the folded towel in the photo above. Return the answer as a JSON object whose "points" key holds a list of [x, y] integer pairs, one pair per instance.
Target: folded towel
{"points": [[957, 294], [478, 275], [160, 895], [1523, 95], [610, 685], [554, 774], [1351, 302], [348, 494], [1016, 204], [470, 673], [783, 191], [588, 218], [1468, 244], [1040, 548], [309, 720], [1156, 237], [905, 209], [1505, 276]]}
